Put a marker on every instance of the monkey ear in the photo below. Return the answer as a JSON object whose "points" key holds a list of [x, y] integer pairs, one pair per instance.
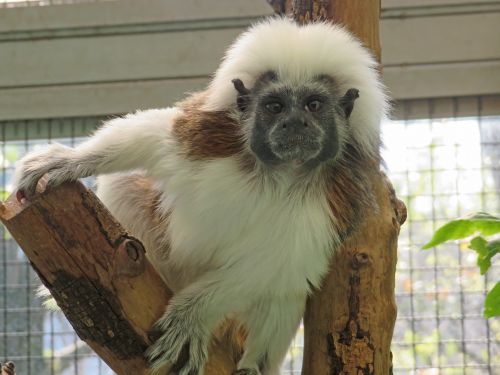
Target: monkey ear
{"points": [[347, 101], [243, 94]]}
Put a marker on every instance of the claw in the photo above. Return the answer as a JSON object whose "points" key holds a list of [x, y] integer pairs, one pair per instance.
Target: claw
{"points": [[21, 196], [185, 354]]}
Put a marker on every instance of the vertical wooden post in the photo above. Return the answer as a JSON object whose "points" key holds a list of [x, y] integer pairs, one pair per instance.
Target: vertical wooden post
{"points": [[361, 17], [349, 323]]}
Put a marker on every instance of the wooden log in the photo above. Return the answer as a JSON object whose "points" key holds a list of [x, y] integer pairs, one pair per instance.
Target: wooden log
{"points": [[98, 275], [361, 17], [349, 322]]}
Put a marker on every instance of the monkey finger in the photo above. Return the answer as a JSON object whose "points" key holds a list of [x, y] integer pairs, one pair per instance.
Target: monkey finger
{"points": [[26, 188], [21, 196], [55, 178]]}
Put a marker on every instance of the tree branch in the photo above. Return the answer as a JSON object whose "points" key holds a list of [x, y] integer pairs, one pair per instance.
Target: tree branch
{"points": [[98, 275], [349, 323]]}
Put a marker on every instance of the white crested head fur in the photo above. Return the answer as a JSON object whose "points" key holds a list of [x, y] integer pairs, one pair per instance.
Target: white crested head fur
{"points": [[298, 53]]}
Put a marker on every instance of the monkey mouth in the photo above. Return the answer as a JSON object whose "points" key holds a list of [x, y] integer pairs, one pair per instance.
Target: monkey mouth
{"points": [[297, 141], [297, 149]]}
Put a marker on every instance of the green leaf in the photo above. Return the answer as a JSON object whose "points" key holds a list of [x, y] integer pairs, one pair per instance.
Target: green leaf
{"points": [[4, 194], [485, 251], [12, 153], [483, 223], [492, 302]]}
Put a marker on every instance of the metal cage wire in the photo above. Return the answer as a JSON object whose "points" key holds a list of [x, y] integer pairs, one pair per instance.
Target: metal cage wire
{"points": [[441, 166]]}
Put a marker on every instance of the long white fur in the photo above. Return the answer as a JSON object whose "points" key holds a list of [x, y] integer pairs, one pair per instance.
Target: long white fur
{"points": [[298, 53], [239, 245]]}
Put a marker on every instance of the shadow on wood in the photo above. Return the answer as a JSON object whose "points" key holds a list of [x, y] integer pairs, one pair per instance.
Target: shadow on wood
{"points": [[98, 275]]}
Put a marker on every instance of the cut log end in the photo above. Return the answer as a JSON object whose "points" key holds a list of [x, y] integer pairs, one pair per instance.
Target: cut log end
{"points": [[93, 270], [100, 277], [8, 368]]}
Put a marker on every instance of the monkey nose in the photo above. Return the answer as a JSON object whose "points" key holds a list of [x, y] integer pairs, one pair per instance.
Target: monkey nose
{"points": [[292, 126]]}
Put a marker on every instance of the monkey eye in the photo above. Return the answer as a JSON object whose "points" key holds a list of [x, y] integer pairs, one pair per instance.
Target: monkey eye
{"points": [[314, 105], [274, 107]]}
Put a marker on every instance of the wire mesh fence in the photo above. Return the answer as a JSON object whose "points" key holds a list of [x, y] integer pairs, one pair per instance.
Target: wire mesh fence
{"points": [[36, 340], [441, 166]]}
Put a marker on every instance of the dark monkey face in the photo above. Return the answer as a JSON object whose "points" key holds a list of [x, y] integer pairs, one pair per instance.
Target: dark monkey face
{"points": [[302, 125]]}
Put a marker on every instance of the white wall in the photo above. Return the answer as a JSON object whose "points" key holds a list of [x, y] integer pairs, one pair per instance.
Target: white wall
{"points": [[117, 56], [440, 48]]}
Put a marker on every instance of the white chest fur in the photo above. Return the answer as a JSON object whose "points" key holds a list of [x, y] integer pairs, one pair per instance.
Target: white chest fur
{"points": [[267, 236]]}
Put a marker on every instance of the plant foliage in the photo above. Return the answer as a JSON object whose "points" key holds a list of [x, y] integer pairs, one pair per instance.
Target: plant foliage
{"points": [[482, 224]]}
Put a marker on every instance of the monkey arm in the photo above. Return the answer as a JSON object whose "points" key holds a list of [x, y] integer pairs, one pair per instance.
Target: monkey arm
{"points": [[136, 141]]}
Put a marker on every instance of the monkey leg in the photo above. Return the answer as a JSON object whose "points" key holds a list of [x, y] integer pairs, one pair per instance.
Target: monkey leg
{"points": [[271, 324], [191, 317]]}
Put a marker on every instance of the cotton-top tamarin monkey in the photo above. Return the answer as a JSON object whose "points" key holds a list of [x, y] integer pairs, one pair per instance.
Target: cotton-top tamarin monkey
{"points": [[241, 192]]}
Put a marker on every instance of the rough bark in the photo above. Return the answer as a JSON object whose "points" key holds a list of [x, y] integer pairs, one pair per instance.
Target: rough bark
{"points": [[361, 17], [349, 323], [98, 275]]}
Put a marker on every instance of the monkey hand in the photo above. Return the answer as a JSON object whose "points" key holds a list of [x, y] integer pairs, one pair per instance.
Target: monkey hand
{"points": [[183, 344], [56, 160]]}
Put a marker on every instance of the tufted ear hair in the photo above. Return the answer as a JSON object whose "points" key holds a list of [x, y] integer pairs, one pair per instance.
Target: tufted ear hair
{"points": [[243, 98], [243, 94], [347, 101]]}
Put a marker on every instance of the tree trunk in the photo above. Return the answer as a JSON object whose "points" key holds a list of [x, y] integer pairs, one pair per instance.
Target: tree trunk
{"points": [[349, 323]]}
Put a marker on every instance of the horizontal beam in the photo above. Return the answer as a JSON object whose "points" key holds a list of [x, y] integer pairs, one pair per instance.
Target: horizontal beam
{"points": [[394, 4], [172, 54], [93, 99], [124, 12], [440, 39], [443, 80], [113, 58], [405, 82]]}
